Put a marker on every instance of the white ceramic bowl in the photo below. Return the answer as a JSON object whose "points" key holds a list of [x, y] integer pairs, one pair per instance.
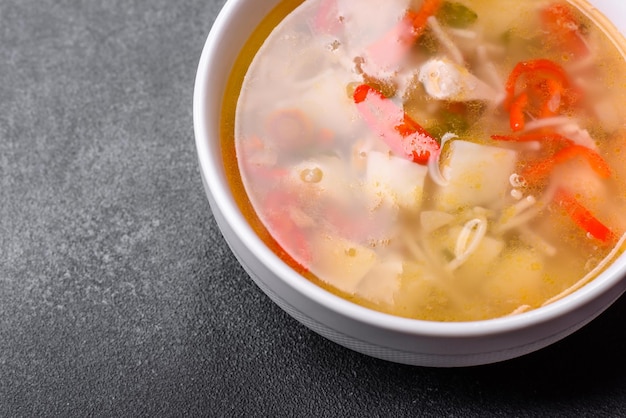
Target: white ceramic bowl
{"points": [[373, 333]]}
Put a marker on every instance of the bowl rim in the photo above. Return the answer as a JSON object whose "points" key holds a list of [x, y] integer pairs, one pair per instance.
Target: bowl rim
{"points": [[216, 184]]}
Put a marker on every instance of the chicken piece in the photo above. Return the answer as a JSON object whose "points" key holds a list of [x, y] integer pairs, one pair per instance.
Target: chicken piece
{"points": [[445, 80]]}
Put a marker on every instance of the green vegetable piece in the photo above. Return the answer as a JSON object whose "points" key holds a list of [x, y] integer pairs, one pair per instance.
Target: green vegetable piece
{"points": [[456, 15], [507, 37], [449, 122], [427, 43]]}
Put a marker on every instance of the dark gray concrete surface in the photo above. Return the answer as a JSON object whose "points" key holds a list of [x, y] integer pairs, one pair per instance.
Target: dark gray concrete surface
{"points": [[118, 295]]}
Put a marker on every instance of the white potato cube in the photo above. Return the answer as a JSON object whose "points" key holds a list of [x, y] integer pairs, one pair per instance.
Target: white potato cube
{"points": [[340, 262], [394, 179], [382, 282], [516, 278], [326, 176], [478, 175]]}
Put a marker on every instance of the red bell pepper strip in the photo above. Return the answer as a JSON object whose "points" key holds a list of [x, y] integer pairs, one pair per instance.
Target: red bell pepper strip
{"points": [[560, 22], [404, 136], [552, 138], [518, 106], [546, 91], [582, 216], [288, 237], [418, 19], [392, 47], [543, 168], [554, 94]]}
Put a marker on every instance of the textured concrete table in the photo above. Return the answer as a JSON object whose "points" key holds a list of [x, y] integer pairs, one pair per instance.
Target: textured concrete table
{"points": [[118, 295]]}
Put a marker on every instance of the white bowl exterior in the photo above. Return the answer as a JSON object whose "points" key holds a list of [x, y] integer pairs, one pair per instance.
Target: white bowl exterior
{"points": [[376, 334]]}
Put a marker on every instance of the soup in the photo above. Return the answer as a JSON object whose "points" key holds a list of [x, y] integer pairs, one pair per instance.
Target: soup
{"points": [[440, 160]]}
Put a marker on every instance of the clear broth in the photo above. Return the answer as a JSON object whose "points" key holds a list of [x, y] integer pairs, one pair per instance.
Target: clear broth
{"points": [[520, 276]]}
